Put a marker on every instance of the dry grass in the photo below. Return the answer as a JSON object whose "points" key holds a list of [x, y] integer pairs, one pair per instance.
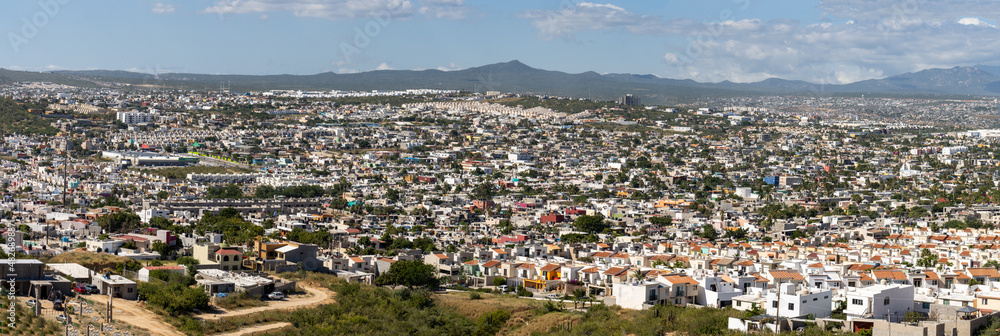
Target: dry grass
{"points": [[475, 308], [91, 260], [523, 320], [313, 279], [524, 323]]}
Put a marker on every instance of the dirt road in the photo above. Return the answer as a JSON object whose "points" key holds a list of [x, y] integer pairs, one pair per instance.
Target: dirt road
{"points": [[263, 327], [133, 313], [318, 297]]}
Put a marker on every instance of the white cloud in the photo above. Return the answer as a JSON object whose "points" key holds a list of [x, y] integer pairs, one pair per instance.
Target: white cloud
{"points": [[445, 9], [854, 40], [384, 66], [671, 58], [327, 9], [160, 8], [585, 16], [974, 21], [346, 9], [451, 67], [347, 71]]}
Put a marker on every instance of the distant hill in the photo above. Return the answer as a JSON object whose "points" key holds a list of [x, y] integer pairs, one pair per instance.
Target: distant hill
{"points": [[518, 77], [957, 80], [10, 76]]}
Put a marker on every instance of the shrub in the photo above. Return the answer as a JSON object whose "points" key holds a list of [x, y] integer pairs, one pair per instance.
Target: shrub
{"points": [[475, 296], [239, 300]]}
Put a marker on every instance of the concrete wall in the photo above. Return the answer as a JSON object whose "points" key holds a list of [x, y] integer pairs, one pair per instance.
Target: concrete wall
{"points": [[944, 327]]}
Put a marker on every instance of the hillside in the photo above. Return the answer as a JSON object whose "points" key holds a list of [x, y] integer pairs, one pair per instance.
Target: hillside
{"points": [[518, 77], [15, 118]]}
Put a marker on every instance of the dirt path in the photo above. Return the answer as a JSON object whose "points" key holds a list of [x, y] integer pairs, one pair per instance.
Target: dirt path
{"points": [[318, 297], [263, 327], [132, 313]]}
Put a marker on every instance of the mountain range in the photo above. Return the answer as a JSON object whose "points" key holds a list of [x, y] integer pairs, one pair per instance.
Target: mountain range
{"points": [[517, 77]]}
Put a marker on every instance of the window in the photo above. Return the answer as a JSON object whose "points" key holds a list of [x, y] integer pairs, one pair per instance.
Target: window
{"points": [[946, 302], [925, 305], [857, 302], [130, 289], [819, 284], [774, 304], [791, 306], [739, 303], [917, 282], [815, 299], [851, 284], [886, 302], [985, 301]]}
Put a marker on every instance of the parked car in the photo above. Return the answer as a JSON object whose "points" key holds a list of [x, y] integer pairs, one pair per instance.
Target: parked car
{"points": [[276, 296], [80, 288], [32, 302], [61, 318], [92, 289]]}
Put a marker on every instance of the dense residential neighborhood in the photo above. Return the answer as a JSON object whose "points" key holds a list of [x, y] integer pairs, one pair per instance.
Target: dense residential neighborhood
{"points": [[792, 217]]}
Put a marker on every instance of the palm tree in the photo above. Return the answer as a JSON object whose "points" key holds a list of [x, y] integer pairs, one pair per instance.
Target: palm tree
{"points": [[578, 295], [637, 274]]}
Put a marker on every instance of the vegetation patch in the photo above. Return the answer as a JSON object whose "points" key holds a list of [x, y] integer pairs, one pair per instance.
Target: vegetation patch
{"points": [[182, 172], [15, 118], [240, 300], [91, 260]]}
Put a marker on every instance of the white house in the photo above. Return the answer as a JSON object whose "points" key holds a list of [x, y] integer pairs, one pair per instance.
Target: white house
{"points": [[717, 292], [796, 301], [878, 301], [633, 295], [106, 245], [147, 214]]}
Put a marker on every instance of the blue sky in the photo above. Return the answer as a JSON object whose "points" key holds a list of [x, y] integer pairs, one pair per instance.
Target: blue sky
{"points": [[823, 41]]}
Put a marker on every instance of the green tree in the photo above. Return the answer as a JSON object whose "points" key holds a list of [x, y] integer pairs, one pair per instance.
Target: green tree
{"points": [[927, 259], [160, 223], [591, 224], [120, 222], [708, 232], [162, 248], [661, 221], [409, 273], [498, 281]]}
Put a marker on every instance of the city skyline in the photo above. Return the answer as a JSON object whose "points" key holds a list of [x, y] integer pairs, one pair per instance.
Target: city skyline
{"points": [[828, 41]]}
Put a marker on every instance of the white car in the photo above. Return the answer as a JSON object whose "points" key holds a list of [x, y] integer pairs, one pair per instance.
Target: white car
{"points": [[32, 302], [276, 296]]}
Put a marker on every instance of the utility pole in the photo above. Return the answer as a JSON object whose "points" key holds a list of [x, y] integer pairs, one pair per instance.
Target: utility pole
{"points": [[777, 312], [67, 147]]}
